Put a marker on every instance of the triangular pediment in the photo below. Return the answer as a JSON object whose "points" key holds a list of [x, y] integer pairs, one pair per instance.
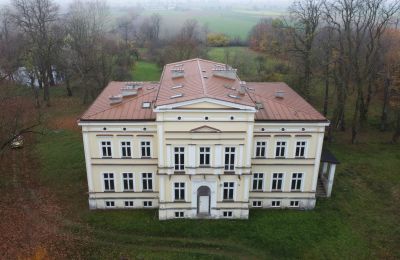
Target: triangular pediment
{"points": [[204, 104], [205, 129]]}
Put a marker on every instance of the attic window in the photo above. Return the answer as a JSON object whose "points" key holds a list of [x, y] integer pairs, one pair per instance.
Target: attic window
{"points": [[177, 86], [233, 96], [177, 95], [146, 104]]}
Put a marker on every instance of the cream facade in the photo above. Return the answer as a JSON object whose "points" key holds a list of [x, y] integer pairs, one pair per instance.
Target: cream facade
{"points": [[202, 158]]}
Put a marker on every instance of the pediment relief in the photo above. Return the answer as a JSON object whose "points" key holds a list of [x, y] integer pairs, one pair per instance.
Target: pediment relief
{"points": [[205, 129]]}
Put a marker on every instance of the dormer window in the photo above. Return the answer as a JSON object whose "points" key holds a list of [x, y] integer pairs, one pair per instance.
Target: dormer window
{"points": [[177, 95], [146, 104], [177, 86]]}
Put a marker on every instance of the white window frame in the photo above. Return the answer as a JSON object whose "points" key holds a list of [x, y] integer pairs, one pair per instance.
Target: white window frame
{"points": [[143, 178], [180, 166], [108, 179], [276, 206], [205, 155], [126, 146], [179, 188], [148, 202], [258, 179], [228, 212], [305, 149], [147, 146], [283, 182], [128, 178], [297, 179], [109, 201], [257, 202], [101, 148], [229, 188], [294, 202], [276, 148], [231, 167], [129, 202], [179, 214], [265, 146]]}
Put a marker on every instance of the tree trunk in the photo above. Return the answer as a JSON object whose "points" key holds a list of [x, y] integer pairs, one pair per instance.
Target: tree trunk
{"points": [[396, 134], [326, 97], [356, 124], [46, 90], [50, 76], [385, 108], [68, 86]]}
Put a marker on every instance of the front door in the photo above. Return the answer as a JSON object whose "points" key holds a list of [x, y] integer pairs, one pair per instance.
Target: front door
{"points": [[203, 200]]}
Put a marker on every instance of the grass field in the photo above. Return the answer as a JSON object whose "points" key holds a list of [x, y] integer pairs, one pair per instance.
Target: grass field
{"points": [[359, 221], [146, 71]]}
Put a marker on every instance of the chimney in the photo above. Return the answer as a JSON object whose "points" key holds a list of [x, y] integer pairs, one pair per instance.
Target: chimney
{"points": [[115, 99], [242, 89]]}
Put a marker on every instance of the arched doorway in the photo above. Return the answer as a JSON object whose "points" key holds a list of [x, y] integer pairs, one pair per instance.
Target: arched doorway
{"points": [[203, 201]]}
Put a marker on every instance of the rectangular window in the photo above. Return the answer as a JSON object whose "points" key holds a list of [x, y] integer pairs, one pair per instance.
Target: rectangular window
{"points": [[296, 181], [127, 179], [110, 204], [300, 149], [106, 148], [227, 214], [228, 190], [261, 148], [128, 203], [257, 204], [294, 203], [147, 204], [276, 203], [258, 179], [229, 158], [179, 190], [179, 214], [179, 154], [108, 181], [145, 148], [126, 150], [205, 156], [147, 181], [280, 149], [277, 180]]}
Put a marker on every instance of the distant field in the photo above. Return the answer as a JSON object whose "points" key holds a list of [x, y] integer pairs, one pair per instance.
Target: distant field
{"points": [[146, 71]]}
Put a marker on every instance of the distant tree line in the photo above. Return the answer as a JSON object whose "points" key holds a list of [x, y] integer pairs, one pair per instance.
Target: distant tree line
{"points": [[349, 48]]}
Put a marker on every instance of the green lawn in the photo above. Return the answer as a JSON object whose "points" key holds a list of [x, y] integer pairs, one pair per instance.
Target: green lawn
{"points": [[359, 221], [146, 71]]}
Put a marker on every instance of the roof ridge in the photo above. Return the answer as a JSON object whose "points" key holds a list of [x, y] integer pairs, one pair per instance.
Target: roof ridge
{"points": [[289, 106], [120, 104], [201, 78]]}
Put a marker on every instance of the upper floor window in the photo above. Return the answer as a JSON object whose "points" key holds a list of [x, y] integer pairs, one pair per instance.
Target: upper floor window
{"points": [[106, 148], [229, 158], [127, 179], [277, 182], [108, 179], [126, 150], [280, 149], [179, 191], [179, 154], [145, 147], [300, 149], [261, 148], [228, 190], [205, 156], [147, 181], [296, 181], [258, 179]]}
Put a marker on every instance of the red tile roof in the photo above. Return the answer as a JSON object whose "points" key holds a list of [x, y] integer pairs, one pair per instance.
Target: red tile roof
{"points": [[199, 82]]}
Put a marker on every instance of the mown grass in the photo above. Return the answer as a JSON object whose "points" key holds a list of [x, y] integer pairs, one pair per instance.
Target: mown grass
{"points": [[146, 71], [359, 221]]}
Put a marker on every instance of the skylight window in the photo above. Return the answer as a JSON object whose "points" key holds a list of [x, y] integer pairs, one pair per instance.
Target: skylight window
{"points": [[146, 104], [232, 96], [177, 86], [177, 95]]}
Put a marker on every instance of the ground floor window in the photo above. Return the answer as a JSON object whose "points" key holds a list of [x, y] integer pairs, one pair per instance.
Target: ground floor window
{"points": [[147, 181], [179, 191], [228, 190], [179, 214], [110, 204], [128, 203], [294, 203], [147, 204], [257, 204], [276, 203], [227, 214]]}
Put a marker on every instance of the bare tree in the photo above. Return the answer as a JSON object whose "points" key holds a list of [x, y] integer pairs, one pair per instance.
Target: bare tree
{"points": [[36, 19]]}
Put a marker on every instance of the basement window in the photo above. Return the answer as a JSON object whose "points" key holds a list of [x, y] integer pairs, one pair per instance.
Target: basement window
{"points": [[276, 203], [294, 203], [227, 214], [146, 104], [179, 214], [110, 204], [128, 203], [257, 204], [147, 204]]}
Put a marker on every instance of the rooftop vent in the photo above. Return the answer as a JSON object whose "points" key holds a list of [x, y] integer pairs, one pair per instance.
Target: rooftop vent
{"points": [[128, 91], [115, 99], [177, 95], [146, 104], [242, 89], [177, 86], [133, 85], [279, 94], [229, 86], [224, 71], [177, 71], [233, 96], [259, 105]]}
